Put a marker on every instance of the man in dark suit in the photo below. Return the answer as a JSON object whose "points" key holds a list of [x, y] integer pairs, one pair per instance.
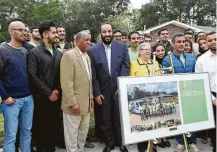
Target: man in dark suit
{"points": [[110, 60]]}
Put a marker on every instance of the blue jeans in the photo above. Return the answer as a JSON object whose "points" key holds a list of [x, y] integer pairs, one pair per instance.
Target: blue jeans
{"points": [[191, 140], [21, 110]]}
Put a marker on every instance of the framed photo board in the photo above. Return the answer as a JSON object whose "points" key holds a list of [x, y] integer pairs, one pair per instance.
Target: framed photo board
{"points": [[160, 106]]}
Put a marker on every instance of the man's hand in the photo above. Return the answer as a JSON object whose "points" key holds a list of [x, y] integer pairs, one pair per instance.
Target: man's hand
{"points": [[75, 109], [91, 104], [56, 92], [214, 102], [9, 101], [116, 93], [53, 96], [98, 99]]}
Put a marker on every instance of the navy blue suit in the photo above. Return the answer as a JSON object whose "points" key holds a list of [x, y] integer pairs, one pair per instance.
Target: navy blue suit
{"points": [[106, 84]]}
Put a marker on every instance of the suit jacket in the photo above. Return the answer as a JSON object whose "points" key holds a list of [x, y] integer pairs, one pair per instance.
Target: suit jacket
{"points": [[75, 82], [103, 82]]}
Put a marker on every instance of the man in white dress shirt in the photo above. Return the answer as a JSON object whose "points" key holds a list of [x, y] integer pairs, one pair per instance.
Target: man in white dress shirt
{"points": [[207, 63]]}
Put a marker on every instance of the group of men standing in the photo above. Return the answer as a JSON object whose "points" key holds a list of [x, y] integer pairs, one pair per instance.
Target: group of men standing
{"points": [[35, 83]]}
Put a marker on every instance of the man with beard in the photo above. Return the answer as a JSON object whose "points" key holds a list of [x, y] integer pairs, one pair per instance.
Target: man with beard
{"points": [[44, 74], [110, 60], [134, 39], [63, 45], [207, 63], [15, 92], [35, 36], [164, 39]]}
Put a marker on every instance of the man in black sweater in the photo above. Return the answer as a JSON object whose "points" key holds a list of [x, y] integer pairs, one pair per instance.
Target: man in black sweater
{"points": [[44, 72]]}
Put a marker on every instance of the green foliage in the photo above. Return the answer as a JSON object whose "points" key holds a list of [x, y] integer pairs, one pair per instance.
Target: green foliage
{"points": [[200, 12], [73, 14]]}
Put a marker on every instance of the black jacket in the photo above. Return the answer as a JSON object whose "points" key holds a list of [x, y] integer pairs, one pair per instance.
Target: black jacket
{"points": [[44, 71]]}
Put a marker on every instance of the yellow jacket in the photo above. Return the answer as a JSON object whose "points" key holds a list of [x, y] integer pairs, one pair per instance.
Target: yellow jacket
{"points": [[139, 68]]}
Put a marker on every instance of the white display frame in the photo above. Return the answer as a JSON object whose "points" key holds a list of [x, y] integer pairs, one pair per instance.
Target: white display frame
{"points": [[130, 138]]}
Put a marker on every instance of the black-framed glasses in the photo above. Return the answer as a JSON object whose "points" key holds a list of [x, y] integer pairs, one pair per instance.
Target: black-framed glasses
{"points": [[20, 30]]}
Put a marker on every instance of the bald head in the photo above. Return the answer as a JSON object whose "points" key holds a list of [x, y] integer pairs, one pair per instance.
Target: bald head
{"points": [[16, 25], [17, 31]]}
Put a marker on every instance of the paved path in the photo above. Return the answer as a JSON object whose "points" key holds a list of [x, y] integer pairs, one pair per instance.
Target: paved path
{"points": [[133, 148]]}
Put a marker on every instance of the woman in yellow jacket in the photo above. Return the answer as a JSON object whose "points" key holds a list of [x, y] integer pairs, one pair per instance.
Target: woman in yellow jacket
{"points": [[143, 66]]}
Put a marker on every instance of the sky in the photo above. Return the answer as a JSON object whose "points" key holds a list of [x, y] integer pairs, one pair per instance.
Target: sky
{"points": [[138, 3]]}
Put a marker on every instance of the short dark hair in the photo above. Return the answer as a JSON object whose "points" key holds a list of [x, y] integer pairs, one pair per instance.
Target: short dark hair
{"points": [[148, 35], [163, 29], [124, 34], [84, 28], [45, 26], [211, 33], [175, 36], [201, 32], [116, 31], [189, 31], [72, 38], [13, 19], [60, 26], [100, 27], [33, 27], [131, 33]]}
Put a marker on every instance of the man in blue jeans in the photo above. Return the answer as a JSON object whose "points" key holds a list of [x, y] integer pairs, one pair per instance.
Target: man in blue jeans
{"points": [[17, 104], [182, 63]]}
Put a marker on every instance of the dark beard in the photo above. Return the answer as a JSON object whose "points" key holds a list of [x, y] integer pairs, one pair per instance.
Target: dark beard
{"points": [[106, 42]]}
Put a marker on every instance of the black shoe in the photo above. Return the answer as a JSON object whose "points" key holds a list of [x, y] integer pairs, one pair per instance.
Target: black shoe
{"points": [[123, 148], [88, 145], [161, 144], [108, 149], [154, 148], [94, 139], [166, 143]]}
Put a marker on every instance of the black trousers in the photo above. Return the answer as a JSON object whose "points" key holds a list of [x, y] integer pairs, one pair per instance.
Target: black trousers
{"points": [[110, 120], [212, 132], [97, 116], [47, 124], [142, 146]]}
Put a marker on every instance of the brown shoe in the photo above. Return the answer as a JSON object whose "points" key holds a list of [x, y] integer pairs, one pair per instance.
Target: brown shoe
{"points": [[89, 145]]}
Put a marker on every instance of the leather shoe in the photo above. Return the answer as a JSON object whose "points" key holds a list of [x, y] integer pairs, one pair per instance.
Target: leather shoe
{"points": [[88, 145], [108, 149], [123, 148]]}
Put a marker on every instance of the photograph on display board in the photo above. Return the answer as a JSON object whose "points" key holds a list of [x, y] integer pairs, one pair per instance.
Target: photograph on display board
{"points": [[153, 106]]}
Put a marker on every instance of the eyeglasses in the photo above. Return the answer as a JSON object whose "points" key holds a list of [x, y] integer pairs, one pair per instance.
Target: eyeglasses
{"points": [[20, 30]]}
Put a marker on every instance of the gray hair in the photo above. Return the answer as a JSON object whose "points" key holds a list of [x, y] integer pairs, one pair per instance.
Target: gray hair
{"points": [[142, 45], [81, 35]]}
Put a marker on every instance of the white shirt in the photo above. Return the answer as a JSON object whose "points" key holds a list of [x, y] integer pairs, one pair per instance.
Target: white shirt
{"points": [[85, 60], [62, 45], [108, 55], [207, 63]]}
